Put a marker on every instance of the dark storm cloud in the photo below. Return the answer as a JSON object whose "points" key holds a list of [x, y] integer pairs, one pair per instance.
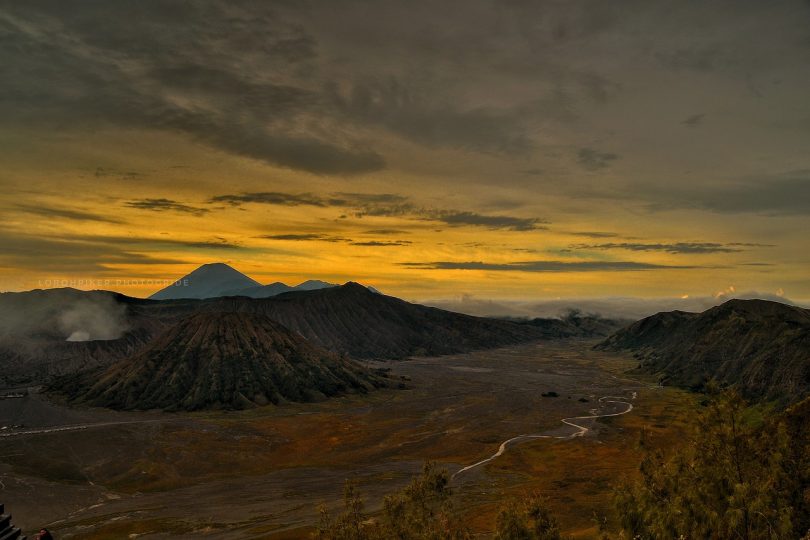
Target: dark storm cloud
{"points": [[678, 247], [594, 160], [65, 213], [323, 88], [196, 69], [787, 193], [302, 85], [777, 194], [399, 108], [165, 205], [544, 266]]}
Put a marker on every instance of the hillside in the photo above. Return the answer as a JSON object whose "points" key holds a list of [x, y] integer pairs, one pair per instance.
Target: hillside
{"points": [[575, 324], [353, 320], [274, 289], [762, 347], [50, 332], [36, 326], [220, 360]]}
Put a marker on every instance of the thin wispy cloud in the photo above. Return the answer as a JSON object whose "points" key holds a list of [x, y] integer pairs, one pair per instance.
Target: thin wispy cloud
{"points": [[593, 234], [455, 219], [276, 198], [306, 237], [384, 205], [382, 243], [694, 120], [65, 213], [546, 266], [146, 242], [677, 247], [166, 205], [384, 232], [593, 160]]}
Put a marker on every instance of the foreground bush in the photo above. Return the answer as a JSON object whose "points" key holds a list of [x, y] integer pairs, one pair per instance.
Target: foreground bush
{"points": [[728, 481], [421, 511]]}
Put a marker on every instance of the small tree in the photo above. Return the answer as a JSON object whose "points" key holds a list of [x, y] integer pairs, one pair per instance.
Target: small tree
{"points": [[349, 525], [421, 511], [728, 481], [530, 520]]}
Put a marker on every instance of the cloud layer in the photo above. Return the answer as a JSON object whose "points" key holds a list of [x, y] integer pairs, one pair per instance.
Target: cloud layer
{"points": [[623, 147]]}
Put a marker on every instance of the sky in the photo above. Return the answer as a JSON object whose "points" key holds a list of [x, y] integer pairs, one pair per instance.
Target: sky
{"points": [[511, 150]]}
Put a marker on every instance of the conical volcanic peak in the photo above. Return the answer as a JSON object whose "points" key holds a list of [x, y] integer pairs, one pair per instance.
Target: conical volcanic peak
{"points": [[222, 360], [207, 281]]}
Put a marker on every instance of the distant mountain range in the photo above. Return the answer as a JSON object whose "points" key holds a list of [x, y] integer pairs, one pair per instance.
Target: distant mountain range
{"points": [[762, 347], [350, 320], [218, 279], [237, 351], [220, 360]]}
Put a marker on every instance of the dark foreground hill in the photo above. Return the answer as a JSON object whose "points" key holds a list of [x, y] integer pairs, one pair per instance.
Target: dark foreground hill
{"points": [[760, 346], [220, 360]]}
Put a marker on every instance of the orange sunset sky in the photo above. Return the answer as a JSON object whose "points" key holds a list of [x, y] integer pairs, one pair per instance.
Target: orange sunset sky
{"points": [[503, 149]]}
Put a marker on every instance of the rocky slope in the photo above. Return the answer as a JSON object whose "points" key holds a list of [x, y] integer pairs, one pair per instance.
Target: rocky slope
{"points": [[350, 319], [760, 346], [353, 320], [44, 333], [220, 360]]}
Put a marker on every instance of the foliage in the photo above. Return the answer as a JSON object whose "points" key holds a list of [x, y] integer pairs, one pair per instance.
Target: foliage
{"points": [[728, 481], [526, 520], [421, 511]]}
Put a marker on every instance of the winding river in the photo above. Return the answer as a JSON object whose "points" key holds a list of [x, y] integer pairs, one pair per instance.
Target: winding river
{"points": [[571, 421]]}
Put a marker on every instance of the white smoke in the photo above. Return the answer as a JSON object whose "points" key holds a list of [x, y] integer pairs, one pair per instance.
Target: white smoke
{"points": [[99, 318], [79, 335]]}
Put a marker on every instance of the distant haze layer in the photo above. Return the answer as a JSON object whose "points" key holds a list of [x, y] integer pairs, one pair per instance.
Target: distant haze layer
{"points": [[612, 307]]}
